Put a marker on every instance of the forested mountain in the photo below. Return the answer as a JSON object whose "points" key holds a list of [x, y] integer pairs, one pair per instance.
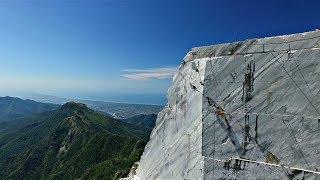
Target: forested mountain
{"points": [[117, 110], [12, 108], [69, 143], [146, 120]]}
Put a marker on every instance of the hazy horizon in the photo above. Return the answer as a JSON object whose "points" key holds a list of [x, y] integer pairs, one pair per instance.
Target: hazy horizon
{"points": [[148, 99], [125, 51]]}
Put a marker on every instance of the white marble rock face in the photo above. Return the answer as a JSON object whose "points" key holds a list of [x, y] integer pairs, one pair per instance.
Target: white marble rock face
{"points": [[190, 141]]}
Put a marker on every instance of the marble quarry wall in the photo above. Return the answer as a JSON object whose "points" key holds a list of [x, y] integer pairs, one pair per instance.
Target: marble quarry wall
{"points": [[242, 110]]}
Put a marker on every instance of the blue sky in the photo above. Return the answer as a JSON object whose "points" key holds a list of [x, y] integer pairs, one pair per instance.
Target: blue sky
{"points": [[126, 50]]}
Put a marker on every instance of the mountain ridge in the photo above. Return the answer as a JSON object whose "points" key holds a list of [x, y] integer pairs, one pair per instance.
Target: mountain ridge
{"points": [[68, 143], [12, 108], [116, 109], [147, 121]]}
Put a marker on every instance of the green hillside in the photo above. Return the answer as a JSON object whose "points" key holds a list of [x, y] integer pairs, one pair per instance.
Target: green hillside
{"points": [[12, 108], [70, 143], [146, 120]]}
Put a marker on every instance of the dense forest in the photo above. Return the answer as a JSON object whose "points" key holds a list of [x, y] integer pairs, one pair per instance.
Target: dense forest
{"points": [[71, 142]]}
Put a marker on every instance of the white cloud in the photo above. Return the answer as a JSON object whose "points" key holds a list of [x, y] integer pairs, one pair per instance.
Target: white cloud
{"points": [[149, 74], [49, 84]]}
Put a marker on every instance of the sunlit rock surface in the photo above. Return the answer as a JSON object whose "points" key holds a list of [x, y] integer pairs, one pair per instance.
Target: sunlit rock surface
{"points": [[191, 140]]}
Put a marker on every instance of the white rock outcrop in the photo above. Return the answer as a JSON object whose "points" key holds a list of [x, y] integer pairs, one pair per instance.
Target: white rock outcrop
{"points": [[207, 130]]}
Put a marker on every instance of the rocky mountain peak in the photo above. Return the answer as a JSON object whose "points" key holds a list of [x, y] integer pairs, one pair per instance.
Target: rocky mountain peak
{"points": [[73, 106]]}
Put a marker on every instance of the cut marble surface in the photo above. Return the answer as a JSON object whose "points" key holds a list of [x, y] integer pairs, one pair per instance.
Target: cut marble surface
{"points": [[188, 134]]}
